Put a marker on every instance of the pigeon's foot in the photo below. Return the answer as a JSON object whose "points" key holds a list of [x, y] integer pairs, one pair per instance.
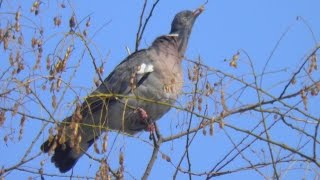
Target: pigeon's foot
{"points": [[143, 115], [144, 118], [151, 128]]}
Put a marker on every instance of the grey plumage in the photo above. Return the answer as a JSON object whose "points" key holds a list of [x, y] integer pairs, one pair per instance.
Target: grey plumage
{"points": [[145, 81]]}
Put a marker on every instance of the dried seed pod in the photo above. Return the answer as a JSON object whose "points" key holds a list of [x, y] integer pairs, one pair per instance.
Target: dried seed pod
{"points": [[313, 63], [121, 162], [204, 131], [96, 81], [318, 86], [35, 7], [41, 30], [34, 42], [293, 81], [57, 21], [54, 101], [15, 109], [77, 114], [20, 40], [208, 86], [85, 33], [20, 133], [22, 121], [59, 83], [40, 171], [5, 139], [17, 26], [67, 55], [11, 59], [5, 43], [221, 123], [105, 143], [27, 87], [42, 163], [53, 147], [100, 69], [121, 159], [234, 60], [18, 14], [48, 62], [88, 22], [62, 136], [20, 67], [1, 34], [39, 43], [95, 147], [2, 117], [211, 129], [165, 157], [304, 99], [103, 172], [314, 91], [189, 74], [72, 22]]}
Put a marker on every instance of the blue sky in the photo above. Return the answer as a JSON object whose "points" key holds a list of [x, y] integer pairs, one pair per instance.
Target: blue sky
{"points": [[224, 28]]}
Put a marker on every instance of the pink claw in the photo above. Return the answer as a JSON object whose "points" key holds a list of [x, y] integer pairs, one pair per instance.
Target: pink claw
{"points": [[143, 114]]}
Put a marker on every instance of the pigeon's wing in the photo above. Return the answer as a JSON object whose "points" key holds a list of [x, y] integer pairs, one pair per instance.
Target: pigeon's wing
{"points": [[130, 73]]}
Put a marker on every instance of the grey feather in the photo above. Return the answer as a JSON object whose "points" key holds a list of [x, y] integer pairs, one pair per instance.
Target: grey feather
{"points": [[147, 79]]}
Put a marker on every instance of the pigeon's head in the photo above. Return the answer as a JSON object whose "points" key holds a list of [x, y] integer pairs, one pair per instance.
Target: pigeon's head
{"points": [[182, 26], [184, 20]]}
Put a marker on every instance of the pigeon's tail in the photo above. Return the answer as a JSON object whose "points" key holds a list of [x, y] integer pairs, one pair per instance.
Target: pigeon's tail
{"points": [[66, 155]]}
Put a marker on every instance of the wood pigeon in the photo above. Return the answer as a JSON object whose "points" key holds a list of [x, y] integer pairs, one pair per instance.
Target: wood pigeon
{"points": [[137, 92]]}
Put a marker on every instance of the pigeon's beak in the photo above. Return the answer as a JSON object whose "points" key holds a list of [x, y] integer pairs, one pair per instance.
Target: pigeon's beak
{"points": [[198, 11]]}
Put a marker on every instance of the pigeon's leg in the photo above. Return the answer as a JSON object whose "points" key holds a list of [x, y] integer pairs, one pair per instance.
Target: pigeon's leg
{"points": [[144, 118]]}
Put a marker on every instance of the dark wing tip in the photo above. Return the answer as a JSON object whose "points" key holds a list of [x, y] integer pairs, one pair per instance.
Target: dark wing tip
{"points": [[62, 157]]}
